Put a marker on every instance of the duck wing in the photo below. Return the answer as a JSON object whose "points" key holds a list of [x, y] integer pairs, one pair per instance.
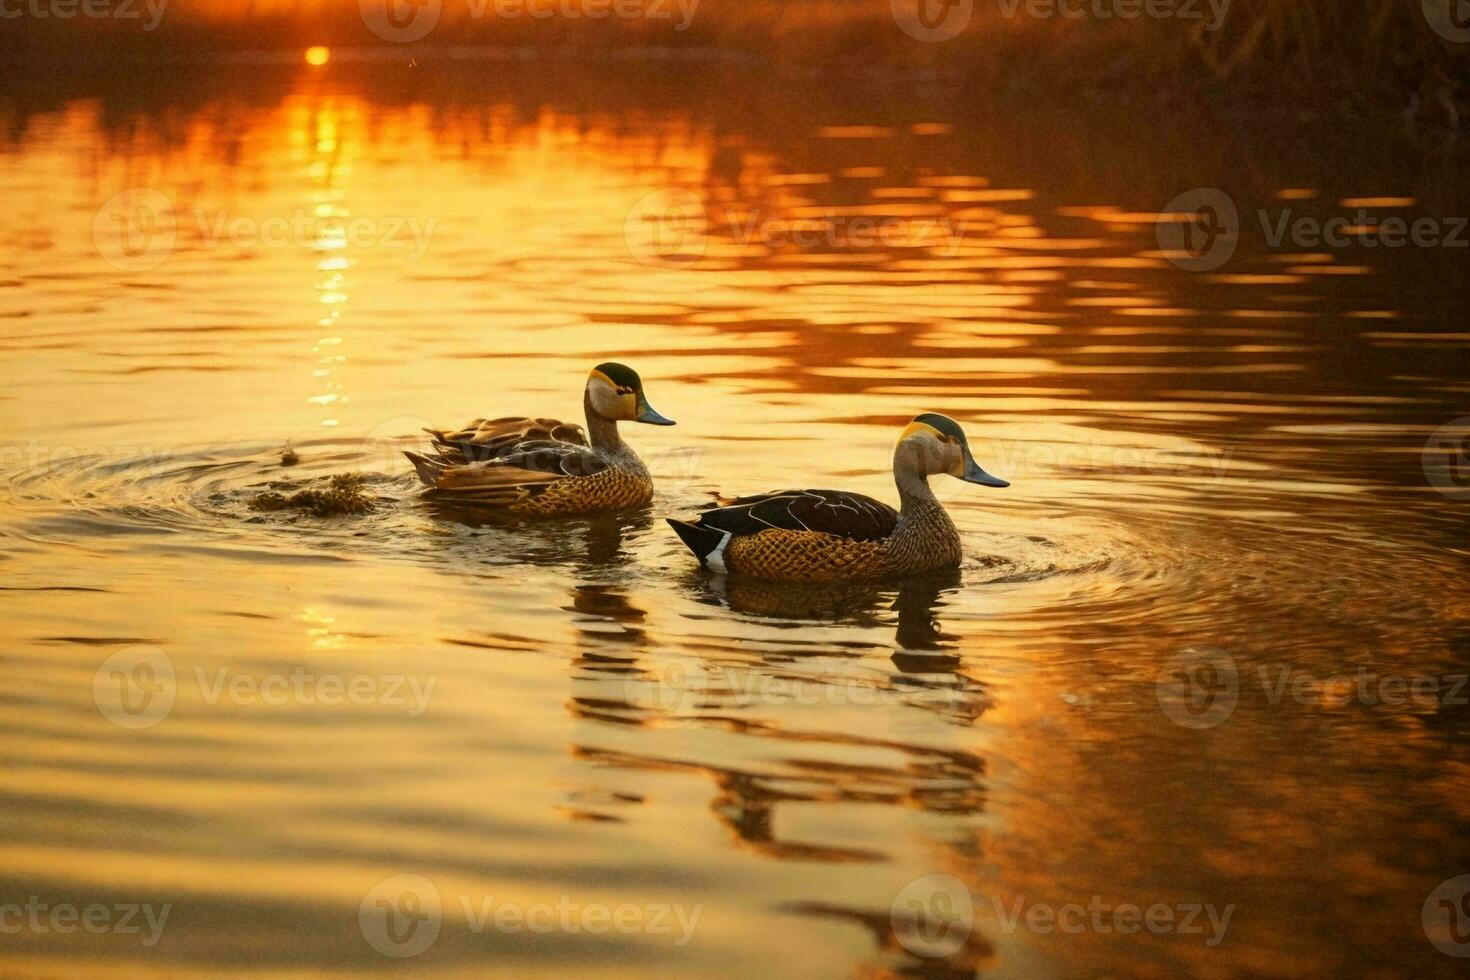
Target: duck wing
{"points": [[529, 468], [491, 439], [838, 512]]}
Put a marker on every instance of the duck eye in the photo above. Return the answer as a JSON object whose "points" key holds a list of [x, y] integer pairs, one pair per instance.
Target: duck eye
{"points": [[623, 390]]}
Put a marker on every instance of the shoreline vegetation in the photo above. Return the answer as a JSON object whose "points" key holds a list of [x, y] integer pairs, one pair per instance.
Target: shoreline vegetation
{"points": [[1357, 59]]}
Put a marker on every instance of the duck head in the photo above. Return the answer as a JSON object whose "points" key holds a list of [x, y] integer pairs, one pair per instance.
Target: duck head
{"points": [[934, 444], [616, 392]]}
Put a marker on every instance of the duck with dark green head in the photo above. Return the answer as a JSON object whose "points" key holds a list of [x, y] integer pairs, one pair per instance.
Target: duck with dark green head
{"points": [[837, 535], [543, 467]]}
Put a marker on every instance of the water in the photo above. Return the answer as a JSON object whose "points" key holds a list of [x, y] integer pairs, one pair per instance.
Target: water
{"points": [[1218, 472]]}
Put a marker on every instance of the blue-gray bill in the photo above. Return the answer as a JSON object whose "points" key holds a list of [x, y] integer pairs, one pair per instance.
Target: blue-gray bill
{"points": [[974, 474], [648, 415]]}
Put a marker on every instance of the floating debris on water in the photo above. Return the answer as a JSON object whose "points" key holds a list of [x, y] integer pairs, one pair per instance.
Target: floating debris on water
{"points": [[343, 494]]}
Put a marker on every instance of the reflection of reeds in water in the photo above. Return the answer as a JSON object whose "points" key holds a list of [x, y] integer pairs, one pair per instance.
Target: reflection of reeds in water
{"points": [[1363, 47]]}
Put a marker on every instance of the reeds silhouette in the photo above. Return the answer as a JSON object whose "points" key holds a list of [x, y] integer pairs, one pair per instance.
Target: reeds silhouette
{"points": [[1366, 51]]}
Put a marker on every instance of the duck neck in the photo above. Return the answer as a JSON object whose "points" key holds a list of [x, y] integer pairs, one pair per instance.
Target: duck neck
{"points": [[914, 494], [602, 431], [919, 511], [925, 536]]}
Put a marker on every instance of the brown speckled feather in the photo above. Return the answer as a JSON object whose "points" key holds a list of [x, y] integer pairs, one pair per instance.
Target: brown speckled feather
{"points": [[538, 467], [851, 516], [822, 536], [485, 439]]}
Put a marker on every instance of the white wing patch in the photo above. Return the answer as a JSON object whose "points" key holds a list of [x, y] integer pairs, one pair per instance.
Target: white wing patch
{"points": [[715, 560]]}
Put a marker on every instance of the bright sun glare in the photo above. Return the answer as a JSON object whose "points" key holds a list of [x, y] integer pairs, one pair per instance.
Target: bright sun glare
{"points": [[317, 55]]}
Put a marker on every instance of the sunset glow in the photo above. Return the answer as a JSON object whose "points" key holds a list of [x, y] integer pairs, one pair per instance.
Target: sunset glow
{"points": [[738, 488]]}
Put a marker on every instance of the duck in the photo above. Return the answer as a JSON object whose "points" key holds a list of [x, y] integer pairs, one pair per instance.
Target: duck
{"points": [[544, 467], [838, 535]]}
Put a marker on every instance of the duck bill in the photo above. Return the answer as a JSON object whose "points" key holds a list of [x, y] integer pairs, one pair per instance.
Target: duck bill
{"points": [[648, 416], [974, 474]]}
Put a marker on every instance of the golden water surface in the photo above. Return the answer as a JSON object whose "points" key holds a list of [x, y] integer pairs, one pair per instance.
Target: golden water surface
{"points": [[1227, 464]]}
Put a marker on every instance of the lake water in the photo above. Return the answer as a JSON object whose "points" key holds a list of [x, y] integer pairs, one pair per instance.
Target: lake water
{"points": [[1193, 705]]}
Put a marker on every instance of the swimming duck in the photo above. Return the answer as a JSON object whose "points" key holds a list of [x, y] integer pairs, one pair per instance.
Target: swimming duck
{"points": [[542, 467], [833, 535]]}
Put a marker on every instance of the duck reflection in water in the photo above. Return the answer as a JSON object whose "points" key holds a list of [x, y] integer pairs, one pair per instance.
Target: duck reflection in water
{"points": [[921, 643], [619, 681], [588, 543]]}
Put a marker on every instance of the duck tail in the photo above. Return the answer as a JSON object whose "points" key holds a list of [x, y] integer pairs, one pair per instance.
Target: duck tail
{"points": [[707, 543], [429, 470]]}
